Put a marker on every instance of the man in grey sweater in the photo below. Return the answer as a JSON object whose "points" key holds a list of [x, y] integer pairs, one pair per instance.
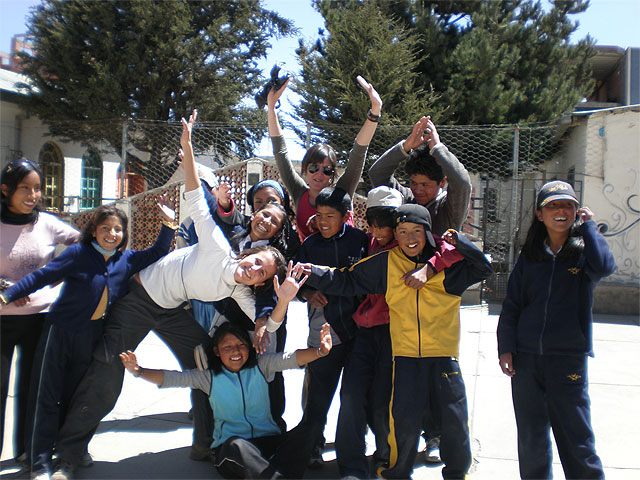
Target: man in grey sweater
{"points": [[430, 167]]}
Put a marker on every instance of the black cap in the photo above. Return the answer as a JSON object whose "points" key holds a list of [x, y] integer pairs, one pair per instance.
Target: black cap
{"points": [[413, 213], [556, 190]]}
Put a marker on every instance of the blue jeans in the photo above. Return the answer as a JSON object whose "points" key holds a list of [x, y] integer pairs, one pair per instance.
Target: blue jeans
{"points": [[364, 399], [551, 392]]}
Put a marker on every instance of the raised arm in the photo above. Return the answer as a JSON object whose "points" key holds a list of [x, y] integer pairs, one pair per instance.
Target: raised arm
{"points": [[458, 179], [130, 362], [191, 179], [291, 179], [351, 176]]}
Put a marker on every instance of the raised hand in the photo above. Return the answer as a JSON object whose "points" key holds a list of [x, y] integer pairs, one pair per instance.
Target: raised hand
{"points": [[292, 283], [376, 101], [130, 362], [418, 135], [274, 95], [432, 134], [187, 128], [166, 208], [585, 214]]}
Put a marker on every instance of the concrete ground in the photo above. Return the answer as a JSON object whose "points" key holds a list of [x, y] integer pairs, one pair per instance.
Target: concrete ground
{"points": [[147, 435]]}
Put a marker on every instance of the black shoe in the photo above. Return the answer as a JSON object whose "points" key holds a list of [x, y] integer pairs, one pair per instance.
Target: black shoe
{"points": [[316, 461], [275, 82], [201, 454], [65, 470]]}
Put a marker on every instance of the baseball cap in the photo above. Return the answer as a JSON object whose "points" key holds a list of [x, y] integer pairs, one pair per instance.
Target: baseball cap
{"points": [[384, 197], [207, 175], [413, 213], [556, 190]]}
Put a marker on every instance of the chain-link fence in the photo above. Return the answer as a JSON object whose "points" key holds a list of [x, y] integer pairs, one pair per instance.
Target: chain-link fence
{"points": [[507, 165]]}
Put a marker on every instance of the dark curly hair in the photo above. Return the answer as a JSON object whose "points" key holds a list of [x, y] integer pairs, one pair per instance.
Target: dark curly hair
{"points": [[420, 162], [99, 215]]}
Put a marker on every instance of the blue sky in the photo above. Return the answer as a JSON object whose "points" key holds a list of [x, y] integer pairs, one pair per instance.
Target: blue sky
{"points": [[609, 22]]}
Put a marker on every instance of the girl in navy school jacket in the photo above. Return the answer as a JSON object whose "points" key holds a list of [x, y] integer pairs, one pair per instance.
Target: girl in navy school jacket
{"points": [[96, 272], [544, 334]]}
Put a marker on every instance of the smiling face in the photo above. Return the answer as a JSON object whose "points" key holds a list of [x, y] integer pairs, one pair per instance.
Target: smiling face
{"points": [[329, 220], [27, 195], [109, 233], [411, 238], [233, 352], [255, 269], [383, 235], [424, 189], [265, 195], [558, 216], [266, 223], [319, 179]]}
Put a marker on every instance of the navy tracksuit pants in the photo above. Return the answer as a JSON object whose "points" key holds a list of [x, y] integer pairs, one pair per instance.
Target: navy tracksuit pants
{"points": [[364, 399], [552, 391], [62, 358], [414, 382]]}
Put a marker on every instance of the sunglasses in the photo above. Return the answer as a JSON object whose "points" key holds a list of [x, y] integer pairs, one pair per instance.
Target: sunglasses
{"points": [[326, 170]]}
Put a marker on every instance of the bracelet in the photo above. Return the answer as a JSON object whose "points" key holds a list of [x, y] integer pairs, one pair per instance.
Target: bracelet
{"points": [[319, 353], [372, 117], [171, 225], [140, 372]]}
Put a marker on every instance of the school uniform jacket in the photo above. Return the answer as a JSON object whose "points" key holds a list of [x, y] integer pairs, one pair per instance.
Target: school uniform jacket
{"points": [[343, 249], [425, 322], [548, 307], [240, 400], [85, 273]]}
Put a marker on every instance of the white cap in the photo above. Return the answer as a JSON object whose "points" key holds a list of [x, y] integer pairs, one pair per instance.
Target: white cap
{"points": [[384, 197], [206, 174]]}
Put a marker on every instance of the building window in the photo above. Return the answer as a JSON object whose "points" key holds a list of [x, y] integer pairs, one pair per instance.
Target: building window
{"points": [[91, 189], [51, 161]]}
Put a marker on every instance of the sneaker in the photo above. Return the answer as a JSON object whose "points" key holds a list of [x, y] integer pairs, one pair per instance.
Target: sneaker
{"points": [[86, 461], [432, 450], [64, 470], [201, 454], [316, 461]]}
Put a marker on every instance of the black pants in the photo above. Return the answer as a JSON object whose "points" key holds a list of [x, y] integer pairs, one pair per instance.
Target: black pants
{"points": [[551, 392], [410, 400], [62, 359], [23, 332], [130, 320], [364, 399], [280, 456]]}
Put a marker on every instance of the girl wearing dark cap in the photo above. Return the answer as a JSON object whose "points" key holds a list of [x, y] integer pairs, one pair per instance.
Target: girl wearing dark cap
{"points": [[544, 334]]}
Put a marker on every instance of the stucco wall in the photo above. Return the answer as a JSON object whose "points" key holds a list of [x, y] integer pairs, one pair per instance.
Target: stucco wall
{"points": [[612, 186]]}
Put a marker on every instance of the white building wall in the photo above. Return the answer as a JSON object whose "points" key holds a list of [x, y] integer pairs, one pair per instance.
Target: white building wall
{"points": [[612, 185]]}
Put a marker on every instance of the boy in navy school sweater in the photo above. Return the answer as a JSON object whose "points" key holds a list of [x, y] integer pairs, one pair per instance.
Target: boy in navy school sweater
{"points": [[335, 245]]}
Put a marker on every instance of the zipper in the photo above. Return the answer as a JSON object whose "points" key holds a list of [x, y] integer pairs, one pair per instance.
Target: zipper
{"points": [[337, 262], [546, 305], [418, 319], [244, 404]]}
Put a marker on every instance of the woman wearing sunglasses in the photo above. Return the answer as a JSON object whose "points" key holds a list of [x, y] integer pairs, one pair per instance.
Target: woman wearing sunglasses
{"points": [[320, 162]]}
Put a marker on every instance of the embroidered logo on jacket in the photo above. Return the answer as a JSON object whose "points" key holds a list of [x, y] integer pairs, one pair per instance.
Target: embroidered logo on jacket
{"points": [[574, 270], [574, 377]]}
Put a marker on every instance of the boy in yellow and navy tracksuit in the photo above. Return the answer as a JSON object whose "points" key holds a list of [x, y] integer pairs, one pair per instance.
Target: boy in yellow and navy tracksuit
{"points": [[425, 335]]}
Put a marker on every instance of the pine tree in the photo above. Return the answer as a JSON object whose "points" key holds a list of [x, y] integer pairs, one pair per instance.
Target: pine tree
{"points": [[97, 63], [359, 41]]}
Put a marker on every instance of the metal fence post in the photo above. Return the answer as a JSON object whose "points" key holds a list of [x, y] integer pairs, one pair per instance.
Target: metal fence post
{"points": [[514, 195], [123, 159]]}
